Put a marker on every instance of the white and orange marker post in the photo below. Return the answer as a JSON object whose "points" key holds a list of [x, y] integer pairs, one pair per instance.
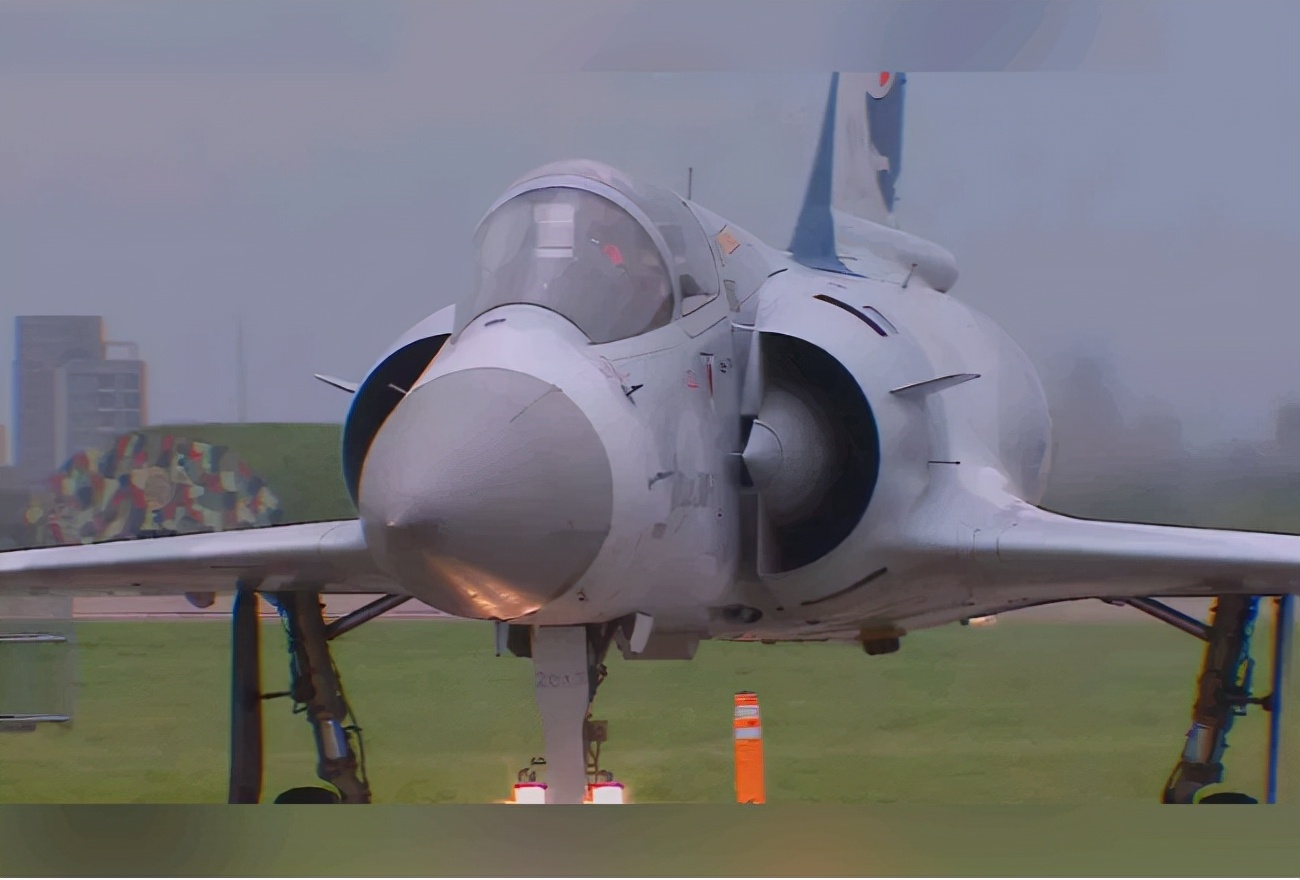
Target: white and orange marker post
{"points": [[748, 732]]}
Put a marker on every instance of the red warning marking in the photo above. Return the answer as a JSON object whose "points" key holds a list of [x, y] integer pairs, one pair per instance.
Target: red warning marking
{"points": [[884, 78], [691, 381], [614, 254], [708, 369]]}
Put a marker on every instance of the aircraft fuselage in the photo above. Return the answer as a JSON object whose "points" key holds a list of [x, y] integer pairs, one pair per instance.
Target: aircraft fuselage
{"points": [[532, 475]]}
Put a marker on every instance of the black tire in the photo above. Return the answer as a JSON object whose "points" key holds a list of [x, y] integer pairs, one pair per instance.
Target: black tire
{"points": [[877, 647], [1228, 797], [309, 794]]}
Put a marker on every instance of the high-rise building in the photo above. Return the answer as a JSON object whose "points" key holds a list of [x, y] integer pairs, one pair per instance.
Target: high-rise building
{"points": [[95, 401], [68, 393]]}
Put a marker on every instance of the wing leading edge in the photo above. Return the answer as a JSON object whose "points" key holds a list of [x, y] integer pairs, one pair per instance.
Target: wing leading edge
{"points": [[328, 556]]}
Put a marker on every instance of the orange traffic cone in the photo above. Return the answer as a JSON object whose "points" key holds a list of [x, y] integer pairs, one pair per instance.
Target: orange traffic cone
{"points": [[748, 731]]}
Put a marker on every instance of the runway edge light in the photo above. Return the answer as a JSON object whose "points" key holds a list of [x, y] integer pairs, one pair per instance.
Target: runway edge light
{"points": [[748, 732]]}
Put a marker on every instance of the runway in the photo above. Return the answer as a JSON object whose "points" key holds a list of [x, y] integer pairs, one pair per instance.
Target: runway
{"points": [[178, 608], [128, 608]]}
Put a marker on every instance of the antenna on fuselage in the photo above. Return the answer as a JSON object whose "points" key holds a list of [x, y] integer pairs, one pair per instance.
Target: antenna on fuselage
{"points": [[690, 182]]}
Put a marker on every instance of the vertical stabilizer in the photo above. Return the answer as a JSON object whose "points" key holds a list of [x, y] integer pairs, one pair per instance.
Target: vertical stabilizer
{"points": [[813, 243], [856, 167], [846, 223]]}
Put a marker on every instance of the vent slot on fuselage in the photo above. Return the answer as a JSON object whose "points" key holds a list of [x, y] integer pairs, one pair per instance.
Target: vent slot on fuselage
{"points": [[866, 315]]}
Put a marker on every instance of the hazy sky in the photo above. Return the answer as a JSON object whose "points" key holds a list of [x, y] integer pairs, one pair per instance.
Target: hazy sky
{"points": [[318, 169]]}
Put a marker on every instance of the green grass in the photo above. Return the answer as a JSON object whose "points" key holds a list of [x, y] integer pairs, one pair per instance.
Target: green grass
{"points": [[300, 462], [1018, 713]]}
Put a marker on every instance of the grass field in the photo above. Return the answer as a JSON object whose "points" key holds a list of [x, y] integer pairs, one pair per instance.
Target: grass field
{"points": [[1017, 713]]}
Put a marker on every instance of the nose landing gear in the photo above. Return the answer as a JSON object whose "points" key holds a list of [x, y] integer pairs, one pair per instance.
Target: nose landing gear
{"points": [[568, 668]]}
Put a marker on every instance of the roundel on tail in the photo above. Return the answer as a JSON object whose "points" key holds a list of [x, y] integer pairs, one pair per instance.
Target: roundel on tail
{"points": [[880, 85]]}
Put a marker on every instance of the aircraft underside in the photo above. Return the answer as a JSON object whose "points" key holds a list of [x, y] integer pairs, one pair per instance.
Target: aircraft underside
{"points": [[569, 667]]}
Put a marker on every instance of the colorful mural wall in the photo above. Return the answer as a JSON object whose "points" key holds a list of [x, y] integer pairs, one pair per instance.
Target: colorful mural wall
{"points": [[148, 483]]}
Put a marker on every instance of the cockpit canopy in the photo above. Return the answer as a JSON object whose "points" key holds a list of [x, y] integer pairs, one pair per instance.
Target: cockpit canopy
{"points": [[579, 238]]}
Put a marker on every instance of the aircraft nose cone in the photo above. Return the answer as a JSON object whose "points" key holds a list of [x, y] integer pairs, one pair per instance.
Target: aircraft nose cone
{"points": [[487, 493]]}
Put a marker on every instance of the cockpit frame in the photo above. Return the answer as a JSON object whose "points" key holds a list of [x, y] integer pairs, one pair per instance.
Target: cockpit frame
{"points": [[697, 261], [605, 191]]}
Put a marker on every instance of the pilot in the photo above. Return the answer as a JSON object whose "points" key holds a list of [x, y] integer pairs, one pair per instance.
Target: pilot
{"points": [[610, 278], [607, 229], [649, 304], [599, 264]]}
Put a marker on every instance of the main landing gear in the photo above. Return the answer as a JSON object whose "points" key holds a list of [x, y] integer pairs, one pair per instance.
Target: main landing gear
{"points": [[314, 688], [1223, 692], [568, 668]]}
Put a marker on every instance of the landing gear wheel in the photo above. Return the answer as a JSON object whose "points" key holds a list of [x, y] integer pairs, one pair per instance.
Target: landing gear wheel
{"points": [[877, 647], [309, 794], [1227, 797]]}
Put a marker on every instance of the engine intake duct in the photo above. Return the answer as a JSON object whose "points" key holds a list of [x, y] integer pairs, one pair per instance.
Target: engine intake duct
{"points": [[813, 453], [377, 397]]}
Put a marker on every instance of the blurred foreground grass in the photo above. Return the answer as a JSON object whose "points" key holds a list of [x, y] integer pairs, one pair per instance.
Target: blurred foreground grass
{"points": [[1023, 712]]}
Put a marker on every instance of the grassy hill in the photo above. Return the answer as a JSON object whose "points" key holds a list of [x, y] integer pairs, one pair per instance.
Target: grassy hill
{"points": [[299, 461]]}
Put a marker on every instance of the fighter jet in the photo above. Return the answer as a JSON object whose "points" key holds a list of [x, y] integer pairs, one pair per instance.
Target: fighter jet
{"points": [[642, 427]]}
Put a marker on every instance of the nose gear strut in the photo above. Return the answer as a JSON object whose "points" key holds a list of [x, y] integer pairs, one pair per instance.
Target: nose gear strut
{"points": [[568, 668]]}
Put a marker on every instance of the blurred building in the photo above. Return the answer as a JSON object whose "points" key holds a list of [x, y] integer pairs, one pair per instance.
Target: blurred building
{"points": [[72, 390], [14, 501]]}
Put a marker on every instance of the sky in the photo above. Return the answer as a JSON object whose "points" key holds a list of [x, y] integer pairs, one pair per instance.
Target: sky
{"points": [[1114, 179]]}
